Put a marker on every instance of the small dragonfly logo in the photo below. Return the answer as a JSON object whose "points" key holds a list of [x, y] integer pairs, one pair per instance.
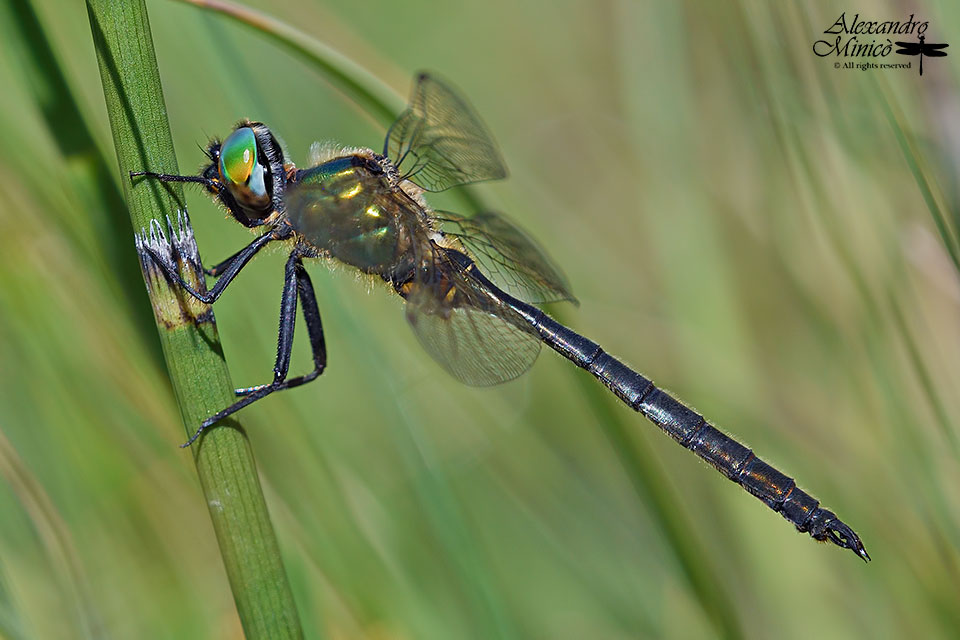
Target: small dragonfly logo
{"points": [[921, 49]]}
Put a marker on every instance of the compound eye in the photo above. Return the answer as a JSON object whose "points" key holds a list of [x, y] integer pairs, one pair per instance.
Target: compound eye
{"points": [[241, 170], [238, 156]]}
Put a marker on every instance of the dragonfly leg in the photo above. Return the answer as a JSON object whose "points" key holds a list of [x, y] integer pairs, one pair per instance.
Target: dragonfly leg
{"points": [[297, 283], [217, 270], [166, 177], [311, 315], [238, 262], [288, 316]]}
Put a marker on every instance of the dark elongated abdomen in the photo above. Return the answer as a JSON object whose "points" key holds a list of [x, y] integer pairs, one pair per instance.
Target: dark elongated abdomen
{"points": [[686, 426]]}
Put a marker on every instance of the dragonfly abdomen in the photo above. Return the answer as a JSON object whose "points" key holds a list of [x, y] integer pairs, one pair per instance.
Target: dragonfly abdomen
{"points": [[736, 461]]}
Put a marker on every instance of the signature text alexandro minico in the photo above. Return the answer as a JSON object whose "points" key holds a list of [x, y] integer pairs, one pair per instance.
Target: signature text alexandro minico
{"points": [[847, 43]]}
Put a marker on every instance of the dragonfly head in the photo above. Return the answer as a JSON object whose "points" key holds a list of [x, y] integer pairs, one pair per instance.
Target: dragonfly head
{"points": [[246, 171]]}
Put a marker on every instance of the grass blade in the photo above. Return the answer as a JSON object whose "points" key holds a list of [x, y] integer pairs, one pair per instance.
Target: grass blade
{"points": [[88, 165], [374, 96], [921, 174]]}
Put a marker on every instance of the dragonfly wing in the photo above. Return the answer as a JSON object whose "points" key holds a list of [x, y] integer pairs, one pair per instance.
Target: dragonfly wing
{"points": [[440, 142], [508, 256], [477, 338], [933, 53]]}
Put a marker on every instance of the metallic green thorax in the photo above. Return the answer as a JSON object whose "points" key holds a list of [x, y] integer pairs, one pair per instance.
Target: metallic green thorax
{"points": [[348, 211]]}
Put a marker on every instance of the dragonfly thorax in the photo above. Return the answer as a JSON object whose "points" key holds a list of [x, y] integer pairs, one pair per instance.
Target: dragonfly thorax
{"points": [[350, 208]]}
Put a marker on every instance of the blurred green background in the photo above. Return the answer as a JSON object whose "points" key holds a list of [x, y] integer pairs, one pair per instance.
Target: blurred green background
{"points": [[772, 239]]}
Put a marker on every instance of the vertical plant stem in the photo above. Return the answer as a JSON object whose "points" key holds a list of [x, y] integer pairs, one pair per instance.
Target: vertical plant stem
{"points": [[188, 333]]}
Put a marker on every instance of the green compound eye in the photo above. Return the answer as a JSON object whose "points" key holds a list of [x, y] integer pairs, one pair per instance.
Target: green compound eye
{"points": [[242, 171], [238, 156]]}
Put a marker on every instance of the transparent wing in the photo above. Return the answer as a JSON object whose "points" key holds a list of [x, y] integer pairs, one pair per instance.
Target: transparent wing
{"points": [[440, 142], [508, 256], [475, 337]]}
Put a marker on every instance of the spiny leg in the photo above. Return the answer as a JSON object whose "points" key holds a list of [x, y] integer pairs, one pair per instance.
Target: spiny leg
{"points": [[236, 264], [311, 316], [168, 177], [288, 316], [217, 270], [296, 282]]}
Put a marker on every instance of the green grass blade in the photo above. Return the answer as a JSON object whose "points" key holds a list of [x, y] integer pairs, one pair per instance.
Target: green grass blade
{"points": [[87, 164], [921, 174], [374, 96], [55, 536], [228, 475]]}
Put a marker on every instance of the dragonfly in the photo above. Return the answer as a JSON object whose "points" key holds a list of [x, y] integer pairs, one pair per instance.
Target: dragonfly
{"points": [[922, 49], [469, 283]]}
